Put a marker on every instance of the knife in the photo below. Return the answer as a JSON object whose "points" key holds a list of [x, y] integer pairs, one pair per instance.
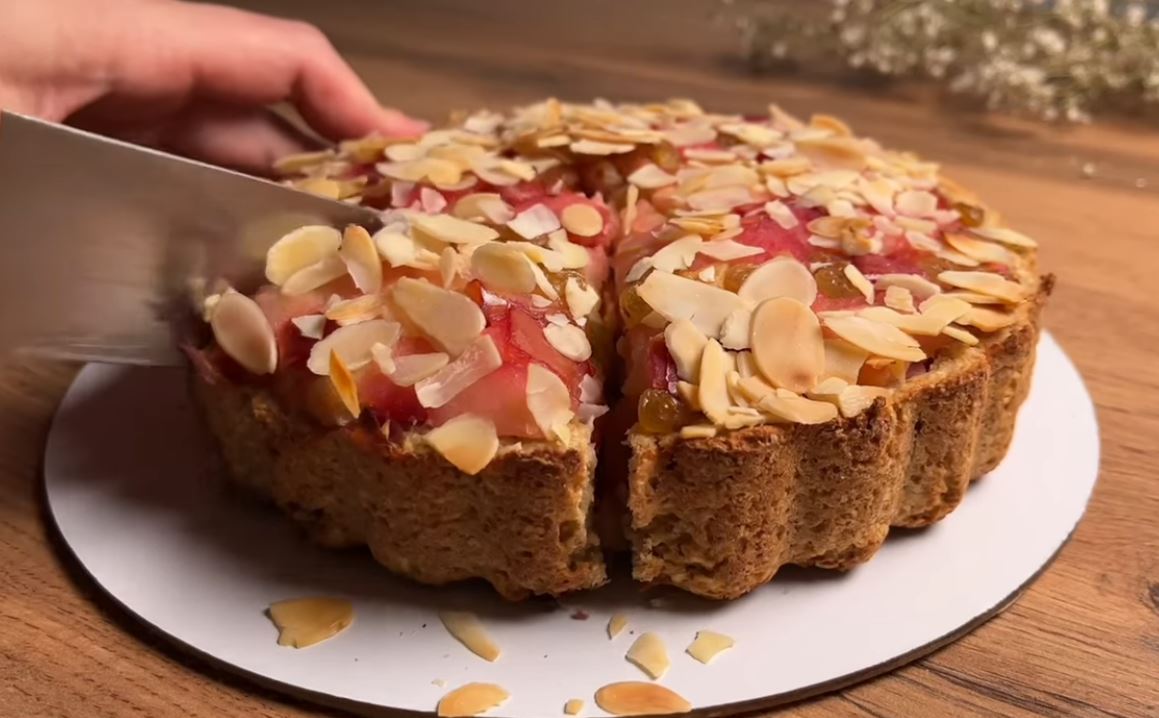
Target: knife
{"points": [[102, 242]]}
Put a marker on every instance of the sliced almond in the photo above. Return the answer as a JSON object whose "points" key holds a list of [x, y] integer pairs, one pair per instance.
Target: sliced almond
{"points": [[469, 442], [727, 250], [780, 277], [969, 297], [452, 320], [900, 299], [361, 258], [243, 332], [479, 359], [503, 268], [466, 628], [572, 256], [843, 360], [449, 266], [736, 332], [569, 340], [781, 214], [685, 343], [355, 310], [994, 285], [383, 357], [876, 338], [344, 385], [471, 700], [650, 176], [830, 386], [582, 220], [632, 698], [452, 230], [310, 326], [961, 335], [594, 147], [697, 431], [410, 369], [787, 406], [950, 255], [314, 276], [980, 250], [859, 282], [320, 186], [302, 622], [616, 624], [678, 254], [353, 344], [549, 401], [650, 655], [301, 248], [301, 161], [1005, 236], [720, 198], [916, 203], [787, 344], [855, 399], [581, 299], [919, 287], [535, 221], [708, 645], [988, 320], [675, 297], [483, 207], [573, 707], [630, 210], [712, 393], [401, 250]]}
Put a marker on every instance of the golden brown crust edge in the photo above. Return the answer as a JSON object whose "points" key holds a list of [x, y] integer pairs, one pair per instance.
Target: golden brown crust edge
{"points": [[522, 524], [720, 516]]}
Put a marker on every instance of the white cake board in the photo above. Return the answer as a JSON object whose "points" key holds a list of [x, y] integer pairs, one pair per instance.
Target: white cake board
{"points": [[141, 506]]}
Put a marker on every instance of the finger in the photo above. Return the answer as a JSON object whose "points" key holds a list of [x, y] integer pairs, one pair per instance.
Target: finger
{"points": [[245, 139]]}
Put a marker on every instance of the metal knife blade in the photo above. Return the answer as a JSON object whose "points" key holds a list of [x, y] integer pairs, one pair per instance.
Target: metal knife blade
{"points": [[101, 241]]}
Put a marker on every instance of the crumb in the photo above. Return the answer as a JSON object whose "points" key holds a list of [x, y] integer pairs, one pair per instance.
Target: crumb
{"points": [[580, 615]]}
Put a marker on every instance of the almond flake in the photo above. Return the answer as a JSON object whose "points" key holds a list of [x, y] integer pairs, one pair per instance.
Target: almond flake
{"points": [[736, 330], [876, 338], [919, 287], [549, 401], [731, 176], [961, 335], [916, 203], [471, 700], [452, 320], [632, 698], [569, 340], [785, 405], [843, 360], [243, 332], [383, 357], [708, 274], [355, 310], [781, 214], [352, 344], [981, 250], [302, 622], [878, 193], [708, 645], [675, 297], [452, 230], [853, 399], [314, 276], [690, 134], [503, 268], [344, 384], [697, 431], [900, 299], [310, 326], [410, 369], [988, 320], [401, 250], [535, 221], [779, 277], [1005, 236], [479, 359], [831, 386], [650, 655], [630, 209], [788, 348], [301, 248], [573, 707], [955, 257], [581, 299], [582, 220], [649, 176], [320, 186], [361, 258], [685, 343], [859, 282], [553, 141], [709, 155], [404, 152], [727, 250], [465, 626], [722, 198], [616, 625], [301, 161], [786, 167], [988, 283], [483, 207], [594, 147], [970, 298]]}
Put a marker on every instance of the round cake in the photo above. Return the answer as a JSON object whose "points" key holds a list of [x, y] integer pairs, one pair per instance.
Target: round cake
{"points": [[780, 339]]}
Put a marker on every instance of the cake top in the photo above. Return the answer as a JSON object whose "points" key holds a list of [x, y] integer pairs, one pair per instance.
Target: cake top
{"points": [[765, 270]]}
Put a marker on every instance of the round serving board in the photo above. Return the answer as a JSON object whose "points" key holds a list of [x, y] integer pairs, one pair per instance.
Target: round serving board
{"points": [[138, 500]]}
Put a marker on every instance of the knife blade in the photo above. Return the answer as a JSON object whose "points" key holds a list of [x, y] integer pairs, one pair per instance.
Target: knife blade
{"points": [[101, 241]]}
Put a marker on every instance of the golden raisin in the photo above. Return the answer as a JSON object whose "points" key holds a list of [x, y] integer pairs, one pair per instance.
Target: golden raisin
{"points": [[633, 307], [665, 156], [972, 215], [832, 282], [660, 412], [735, 275]]}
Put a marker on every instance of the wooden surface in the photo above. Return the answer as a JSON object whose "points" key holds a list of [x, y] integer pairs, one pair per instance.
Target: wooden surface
{"points": [[1083, 641]]}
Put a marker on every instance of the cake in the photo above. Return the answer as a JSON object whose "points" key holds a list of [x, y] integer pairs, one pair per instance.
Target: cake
{"points": [[779, 339]]}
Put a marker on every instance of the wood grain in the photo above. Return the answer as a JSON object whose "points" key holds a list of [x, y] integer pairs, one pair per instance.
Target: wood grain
{"points": [[1083, 641]]}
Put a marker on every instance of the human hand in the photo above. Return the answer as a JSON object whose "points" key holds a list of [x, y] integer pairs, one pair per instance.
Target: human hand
{"points": [[190, 78]]}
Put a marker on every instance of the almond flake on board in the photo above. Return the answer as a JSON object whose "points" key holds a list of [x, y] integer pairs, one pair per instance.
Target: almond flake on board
{"points": [[344, 385], [859, 282], [503, 268], [636, 698], [314, 276], [569, 340], [469, 442], [650, 655], [708, 645], [675, 297], [353, 344], [471, 699], [779, 277], [302, 622], [875, 337], [310, 326], [649, 176], [573, 707], [466, 628], [410, 369], [787, 345], [299, 249], [616, 624], [479, 359], [994, 285], [582, 220], [361, 258], [452, 230], [549, 402], [243, 332], [900, 299], [450, 319]]}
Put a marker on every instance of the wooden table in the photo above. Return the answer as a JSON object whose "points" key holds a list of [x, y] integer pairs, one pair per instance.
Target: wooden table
{"points": [[1083, 640]]}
